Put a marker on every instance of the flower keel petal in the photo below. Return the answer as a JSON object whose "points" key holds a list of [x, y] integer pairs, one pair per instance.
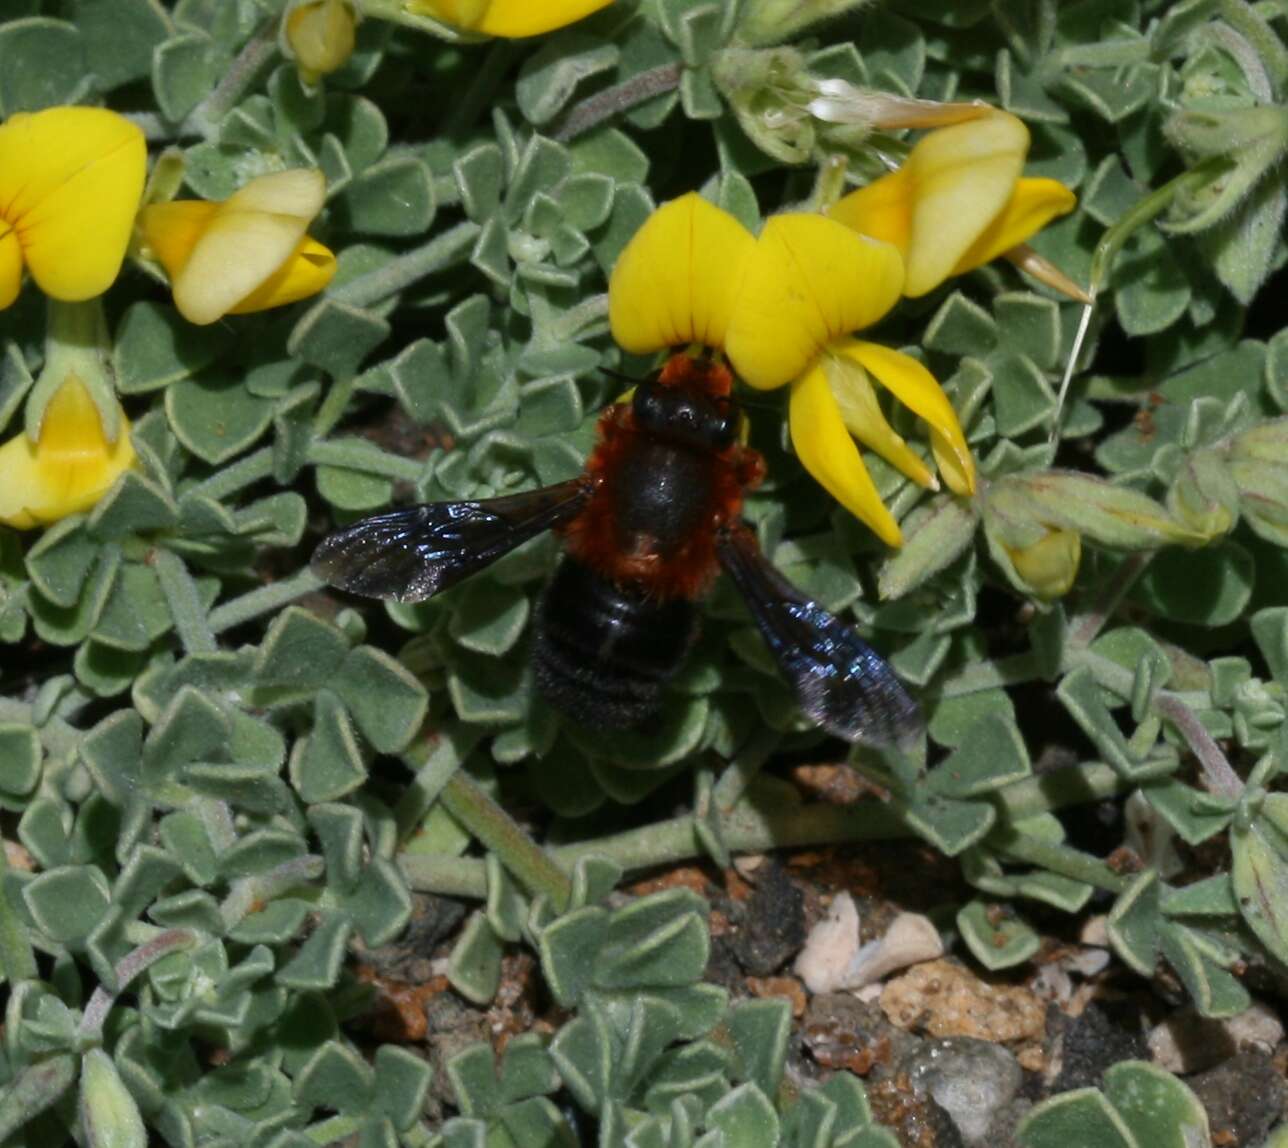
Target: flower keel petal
{"points": [[826, 450], [914, 386]]}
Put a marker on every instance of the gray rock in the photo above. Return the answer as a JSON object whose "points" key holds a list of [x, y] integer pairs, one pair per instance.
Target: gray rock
{"points": [[1243, 1097], [969, 1079], [772, 927], [1092, 1042]]}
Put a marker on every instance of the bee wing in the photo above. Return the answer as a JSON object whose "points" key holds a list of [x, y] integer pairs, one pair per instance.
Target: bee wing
{"points": [[410, 555], [843, 684]]}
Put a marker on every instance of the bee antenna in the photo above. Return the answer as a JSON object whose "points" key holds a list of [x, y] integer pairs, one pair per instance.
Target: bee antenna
{"points": [[620, 376]]}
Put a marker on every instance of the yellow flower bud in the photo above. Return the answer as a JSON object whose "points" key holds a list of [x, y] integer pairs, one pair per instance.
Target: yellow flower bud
{"points": [[321, 35], [69, 467], [1050, 566], [249, 253]]}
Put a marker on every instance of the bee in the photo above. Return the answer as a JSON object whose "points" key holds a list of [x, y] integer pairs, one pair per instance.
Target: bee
{"points": [[646, 529]]}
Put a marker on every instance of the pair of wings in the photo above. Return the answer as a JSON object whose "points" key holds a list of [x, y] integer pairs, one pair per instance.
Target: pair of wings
{"points": [[842, 684]]}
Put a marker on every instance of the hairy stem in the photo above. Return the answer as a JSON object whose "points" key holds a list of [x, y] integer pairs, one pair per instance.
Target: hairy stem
{"points": [[605, 104], [532, 866], [264, 600], [205, 118], [1057, 858], [127, 968], [35, 1089], [440, 252]]}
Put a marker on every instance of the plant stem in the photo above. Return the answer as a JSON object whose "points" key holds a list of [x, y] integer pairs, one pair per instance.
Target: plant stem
{"points": [[1057, 858], [264, 600], [498, 831], [746, 830], [205, 118], [127, 968], [1219, 773], [603, 105], [243, 473], [1086, 626], [1074, 785], [1175, 708], [437, 757], [400, 273], [190, 620], [17, 960], [356, 454]]}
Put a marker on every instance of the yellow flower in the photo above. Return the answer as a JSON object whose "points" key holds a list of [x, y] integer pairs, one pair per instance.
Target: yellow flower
{"points": [[69, 467], [248, 253], [510, 19], [70, 183], [958, 201], [808, 284], [783, 307], [320, 35]]}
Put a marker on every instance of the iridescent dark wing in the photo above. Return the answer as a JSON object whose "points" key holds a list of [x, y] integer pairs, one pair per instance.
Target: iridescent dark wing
{"points": [[844, 685], [410, 555]]}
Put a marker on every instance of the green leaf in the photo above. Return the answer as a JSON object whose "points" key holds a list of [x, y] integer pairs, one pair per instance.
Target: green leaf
{"points": [[475, 965], [42, 64], [1260, 872], [216, 418], [745, 1117], [67, 902], [392, 197], [1082, 1118], [119, 38], [995, 938], [184, 69], [1157, 1107], [329, 763], [760, 1031]]}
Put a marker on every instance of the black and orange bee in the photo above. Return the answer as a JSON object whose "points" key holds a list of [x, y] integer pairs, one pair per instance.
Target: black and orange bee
{"points": [[646, 530]]}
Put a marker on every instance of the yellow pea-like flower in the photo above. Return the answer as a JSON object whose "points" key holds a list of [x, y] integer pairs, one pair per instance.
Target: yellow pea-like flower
{"points": [[248, 253], [807, 286], [69, 467], [507, 19], [70, 184], [783, 307], [958, 201]]}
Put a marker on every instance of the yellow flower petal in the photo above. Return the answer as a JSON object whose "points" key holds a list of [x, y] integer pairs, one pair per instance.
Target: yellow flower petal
{"points": [[309, 269], [676, 280], [171, 230], [510, 19], [70, 184], [915, 387], [236, 248], [71, 466], [882, 210], [1033, 204], [856, 399], [808, 280], [826, 450], [961, 178], [10, 265]]}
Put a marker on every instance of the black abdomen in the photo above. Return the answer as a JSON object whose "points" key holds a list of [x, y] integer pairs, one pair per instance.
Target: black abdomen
{"points": [[604, 652]]}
